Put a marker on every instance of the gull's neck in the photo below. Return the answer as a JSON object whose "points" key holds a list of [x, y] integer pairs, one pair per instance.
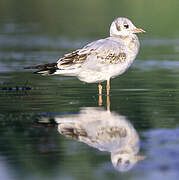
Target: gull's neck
{"points": [[124, 37]]}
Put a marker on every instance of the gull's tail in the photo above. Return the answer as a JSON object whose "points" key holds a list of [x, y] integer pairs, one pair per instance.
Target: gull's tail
{"points": [[44, 69]]}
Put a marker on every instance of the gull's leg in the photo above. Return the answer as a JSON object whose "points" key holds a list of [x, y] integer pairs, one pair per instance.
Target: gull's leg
{"points": [[100, 87], [108, 103], [108, 87], [100, 100]]}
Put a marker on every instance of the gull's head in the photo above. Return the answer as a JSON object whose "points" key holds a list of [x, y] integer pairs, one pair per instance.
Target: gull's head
{"points": [[124, 162], [123, 27]]}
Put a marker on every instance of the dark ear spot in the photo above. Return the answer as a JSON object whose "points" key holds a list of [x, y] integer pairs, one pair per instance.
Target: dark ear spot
{"points": [[118, 27]]}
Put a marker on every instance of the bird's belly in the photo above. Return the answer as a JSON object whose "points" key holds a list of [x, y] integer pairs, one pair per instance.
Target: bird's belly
{"points": [[93, 76], [103, 73]]}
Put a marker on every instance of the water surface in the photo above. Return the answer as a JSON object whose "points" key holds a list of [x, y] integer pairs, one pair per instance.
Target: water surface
{"points": [[145, 99]]}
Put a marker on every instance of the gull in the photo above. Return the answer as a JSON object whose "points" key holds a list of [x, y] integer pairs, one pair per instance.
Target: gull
{"points": [[100, 60], [105, 131]]}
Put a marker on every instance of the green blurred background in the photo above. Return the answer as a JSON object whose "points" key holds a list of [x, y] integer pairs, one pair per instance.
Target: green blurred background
{"points": [[92, 18], [41, 31]]}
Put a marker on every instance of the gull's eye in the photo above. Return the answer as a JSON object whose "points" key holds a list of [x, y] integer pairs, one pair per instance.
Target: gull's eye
{"points": [[126, 26]]}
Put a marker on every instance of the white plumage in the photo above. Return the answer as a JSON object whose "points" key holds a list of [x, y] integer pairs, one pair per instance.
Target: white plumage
{"points": [[106, 131]]}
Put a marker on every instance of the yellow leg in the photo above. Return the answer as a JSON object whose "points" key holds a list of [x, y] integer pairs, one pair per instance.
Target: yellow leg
{"points": [[108, 103], [108, 87], [100, 88], [100, 100]]}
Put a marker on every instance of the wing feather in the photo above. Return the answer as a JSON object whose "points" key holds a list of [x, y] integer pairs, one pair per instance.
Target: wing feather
{"points": [[72, 60], [106, 51]]}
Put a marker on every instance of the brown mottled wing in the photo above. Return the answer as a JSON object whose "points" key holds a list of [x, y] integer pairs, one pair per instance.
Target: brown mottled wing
{"points": [[112, 58], [104, 51], [73, 60], [109, 51], [72, 132]]}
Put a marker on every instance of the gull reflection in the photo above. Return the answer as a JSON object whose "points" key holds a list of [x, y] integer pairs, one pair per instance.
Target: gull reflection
{"points": [[106, 131]]}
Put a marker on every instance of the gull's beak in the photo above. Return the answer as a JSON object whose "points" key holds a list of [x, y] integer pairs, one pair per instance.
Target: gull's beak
{"points": [[139, 30]]}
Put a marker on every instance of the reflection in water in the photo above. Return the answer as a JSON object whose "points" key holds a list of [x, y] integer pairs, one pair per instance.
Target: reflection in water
{"points": [[106, 131]]}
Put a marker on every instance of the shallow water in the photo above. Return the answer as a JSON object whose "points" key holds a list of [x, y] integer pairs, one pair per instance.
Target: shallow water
{"points": [[52, 127]]}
